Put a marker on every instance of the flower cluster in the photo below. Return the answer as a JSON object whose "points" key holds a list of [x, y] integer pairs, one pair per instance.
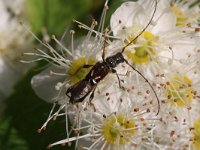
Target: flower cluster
{"points": [[13, 40], [146, 97]]}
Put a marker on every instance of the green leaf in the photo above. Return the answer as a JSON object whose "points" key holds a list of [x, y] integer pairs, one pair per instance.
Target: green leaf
{"points": [[55, 15], [10, 137]]}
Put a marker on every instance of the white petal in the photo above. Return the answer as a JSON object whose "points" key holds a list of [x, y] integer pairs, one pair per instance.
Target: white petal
{"points": [[127, 14], [138, 14], [164, 18], [44, 85], [181, 48]]}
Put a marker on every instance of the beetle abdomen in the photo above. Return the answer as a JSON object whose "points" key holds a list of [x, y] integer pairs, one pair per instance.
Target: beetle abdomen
{"points": [[80, 91]]}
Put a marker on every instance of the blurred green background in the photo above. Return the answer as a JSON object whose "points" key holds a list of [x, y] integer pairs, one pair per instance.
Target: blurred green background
{"points": [[24, 112]]}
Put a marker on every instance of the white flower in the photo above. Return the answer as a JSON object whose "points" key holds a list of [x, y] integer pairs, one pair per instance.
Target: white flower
{"points": [[121, 111], [187, 12], [109, 98], [13, 40], [178, 133], [161, 44], [135, 105], [181, 84], [165, 51], [128, 128], [180, 95], [69, 66], [66, 70]]}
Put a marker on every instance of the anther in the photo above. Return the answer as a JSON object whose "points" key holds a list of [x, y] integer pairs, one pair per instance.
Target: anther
{"points": [[53, 37], [49, 146], [72, 32], [197, 29]]}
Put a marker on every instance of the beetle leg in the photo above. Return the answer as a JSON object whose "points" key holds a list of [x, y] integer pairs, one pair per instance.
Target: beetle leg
{"points": [[84, 66], [91, 98], [120, 86], [68, 91], [87, 66]]}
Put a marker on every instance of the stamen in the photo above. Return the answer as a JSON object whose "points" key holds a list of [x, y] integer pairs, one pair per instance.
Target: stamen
{"points": [[113, 129], [72, 40], [90, 32], [196, 134], [103, 17], [73, 139], [51, 116], [99, 34], [96, 143], [60, 44], [56, 73], [179, 91]]}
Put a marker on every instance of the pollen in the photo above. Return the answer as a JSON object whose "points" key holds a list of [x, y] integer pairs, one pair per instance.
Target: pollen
{"points": [[179, 90], [196, 134], [118, 130], [77, 71], [144, 50], [181, 19]]}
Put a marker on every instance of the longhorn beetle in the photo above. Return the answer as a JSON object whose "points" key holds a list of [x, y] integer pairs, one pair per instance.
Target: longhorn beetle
{"points": [[80, 90]]}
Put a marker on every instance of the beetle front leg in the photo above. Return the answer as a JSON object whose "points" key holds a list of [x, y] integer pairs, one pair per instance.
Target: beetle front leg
{"points": [[68, 91], [87, 66]]}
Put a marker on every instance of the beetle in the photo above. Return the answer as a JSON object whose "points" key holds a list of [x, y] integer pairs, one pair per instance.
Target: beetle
{"points": [[80, 90]]}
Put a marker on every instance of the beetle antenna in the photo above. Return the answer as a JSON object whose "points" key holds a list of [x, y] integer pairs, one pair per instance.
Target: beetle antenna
{"points": [[156, 3], [148, 83]]}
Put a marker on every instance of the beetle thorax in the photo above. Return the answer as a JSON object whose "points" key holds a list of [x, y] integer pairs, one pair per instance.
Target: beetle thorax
{"points": [[114, 60]]}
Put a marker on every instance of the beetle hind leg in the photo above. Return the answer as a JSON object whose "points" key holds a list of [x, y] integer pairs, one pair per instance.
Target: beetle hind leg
{"points": [[91, 98]]}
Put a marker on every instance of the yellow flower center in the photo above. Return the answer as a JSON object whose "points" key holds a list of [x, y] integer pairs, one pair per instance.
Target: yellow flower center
{"points": [[181, 19], [117, 130], [143, 52], [179, 90], [77, 71], [196, 135]]}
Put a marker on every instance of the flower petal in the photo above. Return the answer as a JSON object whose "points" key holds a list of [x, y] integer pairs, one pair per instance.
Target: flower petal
{"points": [[44, 85], [127, 14]]}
